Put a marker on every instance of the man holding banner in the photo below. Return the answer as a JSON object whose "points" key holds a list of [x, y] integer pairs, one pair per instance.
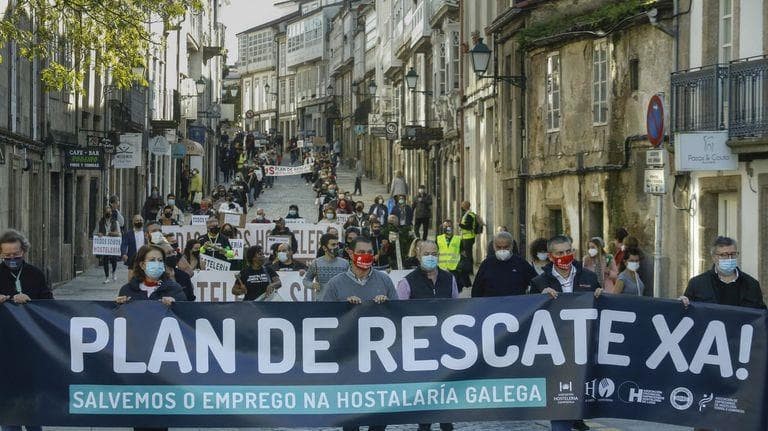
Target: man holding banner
{"points": [[213, 243], [19, 281], [324, 268]]}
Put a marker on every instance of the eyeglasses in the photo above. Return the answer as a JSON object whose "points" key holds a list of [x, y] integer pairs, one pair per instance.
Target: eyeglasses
{"points": [[731, 255]]}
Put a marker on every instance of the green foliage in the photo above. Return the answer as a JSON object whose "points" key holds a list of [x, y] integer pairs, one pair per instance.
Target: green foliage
{"points": [[72, 36], [603, 18]]}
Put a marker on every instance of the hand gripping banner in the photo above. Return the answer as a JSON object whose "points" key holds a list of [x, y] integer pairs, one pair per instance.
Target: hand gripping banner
{"points": [[72, 363]]}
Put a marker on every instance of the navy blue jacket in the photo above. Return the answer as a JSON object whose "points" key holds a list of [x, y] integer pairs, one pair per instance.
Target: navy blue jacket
{"points": [[167, 287], [502, 278], [128, 247], [584, 281]]}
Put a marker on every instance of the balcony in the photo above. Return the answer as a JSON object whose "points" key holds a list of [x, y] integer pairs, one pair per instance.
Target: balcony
{"points": [[748, 98], [420, 28], [441, 9], [698, 99]]}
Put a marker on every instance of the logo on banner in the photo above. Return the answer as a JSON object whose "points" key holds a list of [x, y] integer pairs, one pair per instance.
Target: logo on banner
{"points": [[565, 394], [704, 402], [630, 392], [681, 398], [599, 390]]}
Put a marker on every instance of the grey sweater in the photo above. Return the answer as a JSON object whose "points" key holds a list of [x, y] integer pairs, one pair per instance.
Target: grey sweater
{"points": [[346, 284], [323, 270]]}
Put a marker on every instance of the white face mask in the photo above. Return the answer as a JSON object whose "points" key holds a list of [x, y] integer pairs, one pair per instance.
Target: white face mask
{"points": [[592, 252], [157, 237], [542, 255], [633, 266], [503, 255], [282, 256]]}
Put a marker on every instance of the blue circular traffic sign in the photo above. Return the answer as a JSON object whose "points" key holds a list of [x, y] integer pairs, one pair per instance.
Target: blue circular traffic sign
{"points": [[654, 121]]}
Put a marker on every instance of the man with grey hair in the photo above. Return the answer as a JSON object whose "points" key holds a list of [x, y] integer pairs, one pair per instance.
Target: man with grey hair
{"points": [[503, 273], [20, 281], [724, 283]]}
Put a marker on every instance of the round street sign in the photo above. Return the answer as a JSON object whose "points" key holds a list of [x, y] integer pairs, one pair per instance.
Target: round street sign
{"points": [[250, 114], [654, 121]]}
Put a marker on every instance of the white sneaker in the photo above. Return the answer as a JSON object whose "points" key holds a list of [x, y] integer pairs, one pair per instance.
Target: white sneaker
{"points": [[114, 277], [106, 281]]}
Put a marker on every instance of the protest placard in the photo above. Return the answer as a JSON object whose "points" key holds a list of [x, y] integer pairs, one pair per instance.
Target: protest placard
{"points": [[211, 263], [106, 245]]}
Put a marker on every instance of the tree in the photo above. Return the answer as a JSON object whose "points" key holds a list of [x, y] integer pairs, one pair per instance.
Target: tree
{"points": [[70, 37]]}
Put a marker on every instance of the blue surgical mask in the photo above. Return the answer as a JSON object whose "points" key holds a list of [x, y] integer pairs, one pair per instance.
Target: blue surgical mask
{"points": [[13, 263], [727, 266], [429, 262], [292, 212], [155, 269], [282, 256]]}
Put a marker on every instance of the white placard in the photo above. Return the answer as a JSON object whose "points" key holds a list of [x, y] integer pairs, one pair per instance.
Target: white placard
{"points": [[277, 239], [199, 220], [216, 286], [128, 152], [704, 151], [106, 245], [233, 218], [238, 247], [213, 264], [294, 220], [342, 218]]}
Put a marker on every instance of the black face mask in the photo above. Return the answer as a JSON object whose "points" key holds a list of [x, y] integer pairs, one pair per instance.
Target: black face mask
{"points": [[214, 230], [227, 233], [171, 261], [138, 225], [168, 215]]}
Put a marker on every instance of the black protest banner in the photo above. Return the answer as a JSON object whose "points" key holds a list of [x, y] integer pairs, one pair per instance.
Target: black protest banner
{"points": [[77, 363]]}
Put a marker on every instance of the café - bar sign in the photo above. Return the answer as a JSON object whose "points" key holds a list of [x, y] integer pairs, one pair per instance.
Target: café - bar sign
{"points": [[85, 158]]}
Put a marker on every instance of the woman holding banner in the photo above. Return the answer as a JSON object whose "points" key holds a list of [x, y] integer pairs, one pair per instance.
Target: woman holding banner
{"points": [[150, 280], [108, 226]]}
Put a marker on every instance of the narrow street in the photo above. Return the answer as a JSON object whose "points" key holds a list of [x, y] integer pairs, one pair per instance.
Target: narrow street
{"points": [[275, 201]]}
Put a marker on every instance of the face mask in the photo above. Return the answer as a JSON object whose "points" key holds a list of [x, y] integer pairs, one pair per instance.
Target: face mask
{"points": [[592, 252], [282, 256], [214, 230], [633, 266], [13, 263], [155, 270], [727, 266], [421, 191], [155, 195], [260, 216], [362, 261], [168, 215], [503, 255], [376, 231], [429, 262], [359, 209], [227, 233], [542, 255], [108, 215], [292, 212], [402, 201], [172, 261], [329, 216], [138, 225], [448, 231], [378, 201], [156, 237], [171, 201], [196, 253], [564, 262]]}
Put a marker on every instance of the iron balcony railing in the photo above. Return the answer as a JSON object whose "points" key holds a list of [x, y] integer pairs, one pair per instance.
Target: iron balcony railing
{"points": [[720, 97], [698, 99], [748, 98]]}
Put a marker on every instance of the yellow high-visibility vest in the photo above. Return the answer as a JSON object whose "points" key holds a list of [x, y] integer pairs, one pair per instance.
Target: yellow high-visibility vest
{"points": [[450, 252], [469, 233]]}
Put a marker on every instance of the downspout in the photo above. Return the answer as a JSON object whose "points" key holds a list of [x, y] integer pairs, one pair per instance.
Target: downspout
{"points": [[522, 188], [460, 114]]}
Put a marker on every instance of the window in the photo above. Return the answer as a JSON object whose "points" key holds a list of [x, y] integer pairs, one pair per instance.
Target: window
{"points": [[634, 74], [600, 83], [455, 42], [726, 30], [442, 73], [555, 222], [553, 92], [292, 89]]}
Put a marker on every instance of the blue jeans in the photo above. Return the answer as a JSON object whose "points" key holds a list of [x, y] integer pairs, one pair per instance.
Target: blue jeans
{"points": [[18, 428]]}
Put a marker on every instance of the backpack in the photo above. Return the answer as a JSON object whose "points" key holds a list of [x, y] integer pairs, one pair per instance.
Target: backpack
{"points": [[478, 228]]}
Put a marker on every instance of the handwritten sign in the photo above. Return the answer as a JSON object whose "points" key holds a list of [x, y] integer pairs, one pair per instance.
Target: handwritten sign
{"points": [[238, 245], [106, 245], [199, 220], [211, 263]]}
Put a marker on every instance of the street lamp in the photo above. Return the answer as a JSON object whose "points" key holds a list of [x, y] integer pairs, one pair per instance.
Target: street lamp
{"points": [[481, 56], [372, 87], [411, 78], [200, 86]]}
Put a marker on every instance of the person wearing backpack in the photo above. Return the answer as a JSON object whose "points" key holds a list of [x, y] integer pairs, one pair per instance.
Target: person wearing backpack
{"points": [[470, 225]]}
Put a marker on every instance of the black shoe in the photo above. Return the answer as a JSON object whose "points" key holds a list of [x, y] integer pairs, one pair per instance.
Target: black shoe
{"points": [[579, 425]]}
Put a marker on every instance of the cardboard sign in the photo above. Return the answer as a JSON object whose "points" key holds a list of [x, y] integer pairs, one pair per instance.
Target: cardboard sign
{"points": [[199, 220], [236, 220], [276, 239], [238, 247], [211, 263], [106, 245]]}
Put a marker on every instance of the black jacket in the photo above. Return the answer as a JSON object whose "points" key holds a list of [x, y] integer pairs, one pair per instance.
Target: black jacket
{"points": [[584, 281], [422, 287], [167, 287], [702, 288], [32, 280]]}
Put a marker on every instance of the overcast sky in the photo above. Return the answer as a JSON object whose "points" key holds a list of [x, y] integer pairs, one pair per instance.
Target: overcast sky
{"points": [[239, 15]]}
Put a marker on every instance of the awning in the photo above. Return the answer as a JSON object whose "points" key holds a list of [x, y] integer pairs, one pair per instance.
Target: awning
{"points": [[194, 148]]}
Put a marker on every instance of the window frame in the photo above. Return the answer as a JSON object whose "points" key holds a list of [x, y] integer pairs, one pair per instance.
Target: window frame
{"points": [[553, 115], [600, 87]]}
